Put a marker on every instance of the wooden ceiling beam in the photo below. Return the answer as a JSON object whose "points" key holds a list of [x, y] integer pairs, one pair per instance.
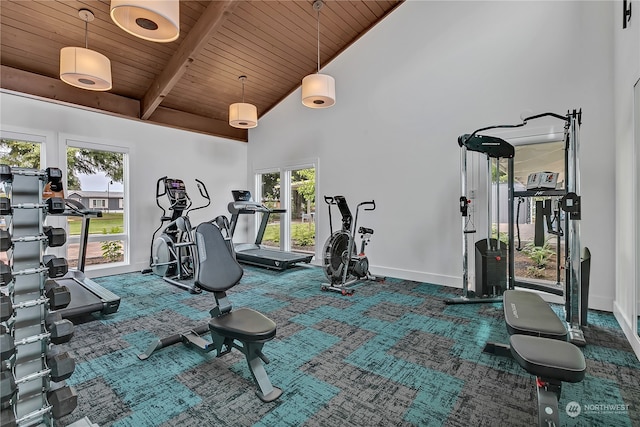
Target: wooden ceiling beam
{"points": [[211, 20], [108, 103]]}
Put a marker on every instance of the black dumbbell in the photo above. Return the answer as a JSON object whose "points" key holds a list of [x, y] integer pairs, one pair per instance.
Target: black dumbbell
{"points": [[55, 205], [5, 173], [6, 276], [5, 206], [63, 400], [8, 386], [61, 364], [56, 236], [59, 296], [5, 241], [61, 330], [7, 346], [54, 175], [6, 308], [7, 418], [58, 267]]}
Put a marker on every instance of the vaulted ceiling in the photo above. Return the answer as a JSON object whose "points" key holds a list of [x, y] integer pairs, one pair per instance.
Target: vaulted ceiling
{"points": [[188, 83]]}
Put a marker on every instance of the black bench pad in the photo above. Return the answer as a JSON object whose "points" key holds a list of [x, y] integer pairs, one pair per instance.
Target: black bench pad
{"points": [[548, 358], [244, 325], [527, 313]]}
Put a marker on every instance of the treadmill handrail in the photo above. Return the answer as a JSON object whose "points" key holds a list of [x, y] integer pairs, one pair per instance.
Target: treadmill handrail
{"points": [[247, 207]]}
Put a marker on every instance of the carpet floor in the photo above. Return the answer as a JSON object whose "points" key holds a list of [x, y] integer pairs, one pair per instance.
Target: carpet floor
{"points": [[393, 354]]}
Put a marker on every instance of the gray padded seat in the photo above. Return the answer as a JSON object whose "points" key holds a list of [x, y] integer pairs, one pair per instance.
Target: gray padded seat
{"points": [[244, 325], [218, 272], [526, 313], [549, 359]]}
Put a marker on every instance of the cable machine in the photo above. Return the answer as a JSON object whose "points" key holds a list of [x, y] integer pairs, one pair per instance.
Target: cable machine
{"points": [[492, 278]]}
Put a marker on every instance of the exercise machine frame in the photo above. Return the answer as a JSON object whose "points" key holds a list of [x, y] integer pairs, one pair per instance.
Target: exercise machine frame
{"points": [[354, 266], [575, 287], [172, 254], [256, 253]]}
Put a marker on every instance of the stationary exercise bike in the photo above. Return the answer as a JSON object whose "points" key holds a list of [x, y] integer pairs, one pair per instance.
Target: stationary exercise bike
{"points": [[342, 264], [173, 254]]}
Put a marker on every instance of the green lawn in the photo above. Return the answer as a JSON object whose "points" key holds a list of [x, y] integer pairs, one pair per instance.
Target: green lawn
{"points": [[105, 225]]}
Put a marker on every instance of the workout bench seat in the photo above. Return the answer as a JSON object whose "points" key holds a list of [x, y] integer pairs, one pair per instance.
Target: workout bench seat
{"points": [[526, 313], [548, 359]]}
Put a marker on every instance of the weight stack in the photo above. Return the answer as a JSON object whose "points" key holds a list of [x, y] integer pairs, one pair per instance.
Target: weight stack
{"points": [[491, 267]]}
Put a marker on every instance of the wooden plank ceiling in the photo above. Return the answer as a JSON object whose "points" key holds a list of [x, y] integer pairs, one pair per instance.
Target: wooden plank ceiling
{"points": [[188, 83]]}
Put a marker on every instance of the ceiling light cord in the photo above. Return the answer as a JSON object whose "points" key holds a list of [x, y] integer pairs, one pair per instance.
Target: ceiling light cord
{"points": [[318, 38], [86, 34]]}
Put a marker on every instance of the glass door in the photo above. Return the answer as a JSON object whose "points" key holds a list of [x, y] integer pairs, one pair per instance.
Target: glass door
{"points": [[302, 209]]}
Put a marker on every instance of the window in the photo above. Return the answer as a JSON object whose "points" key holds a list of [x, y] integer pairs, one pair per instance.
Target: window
{"points": [[19, 150], [302, 208], [292, 190], [269, 195], [97, 174], [536, 262], [98, 203]]}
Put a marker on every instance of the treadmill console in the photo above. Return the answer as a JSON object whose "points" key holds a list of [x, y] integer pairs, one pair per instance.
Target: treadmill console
{"points": [[241, 195], [177, 193]]}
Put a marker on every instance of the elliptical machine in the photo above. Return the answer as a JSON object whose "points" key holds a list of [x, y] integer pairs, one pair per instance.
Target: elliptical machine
{"points": [[173, 254], [342, 264]]}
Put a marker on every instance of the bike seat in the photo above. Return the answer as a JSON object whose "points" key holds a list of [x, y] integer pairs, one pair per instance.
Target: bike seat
{"points": [[365, 230]]}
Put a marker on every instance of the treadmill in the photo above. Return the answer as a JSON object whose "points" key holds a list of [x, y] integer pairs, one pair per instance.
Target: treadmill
{"points": [[256, 253], [86, 295]]}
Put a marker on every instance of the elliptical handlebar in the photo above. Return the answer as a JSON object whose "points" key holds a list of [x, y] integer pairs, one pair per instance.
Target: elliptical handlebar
{"points": [[204, 193], [160, 190], [329, 200], [371, 204]]}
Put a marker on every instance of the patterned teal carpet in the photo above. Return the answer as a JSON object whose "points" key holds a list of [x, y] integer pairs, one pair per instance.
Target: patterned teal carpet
{"points": [[393, 354]]}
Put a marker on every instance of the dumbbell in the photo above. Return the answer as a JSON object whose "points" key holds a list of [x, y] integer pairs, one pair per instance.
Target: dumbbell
{"points": [[5, 173], [58, 295], [6, 275], [8, 386], [58, 267], [61, 330], [5, 241], [5, 206], [6, 308], [61, 364], [7, 345], [56, 236], [55, 205], [63, 399]]}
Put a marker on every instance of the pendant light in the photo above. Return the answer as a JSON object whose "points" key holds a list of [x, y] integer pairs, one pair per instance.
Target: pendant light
{"points": [[84, 68], [241, 114], [153, 20], [318, 90]]}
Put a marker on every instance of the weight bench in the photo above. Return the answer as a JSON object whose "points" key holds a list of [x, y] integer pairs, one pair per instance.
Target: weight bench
{"points": [[538, 343], [243, 329]]}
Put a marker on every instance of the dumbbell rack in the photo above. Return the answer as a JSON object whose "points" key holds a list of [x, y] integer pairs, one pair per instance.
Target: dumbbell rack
{"points": [[30, 393]]}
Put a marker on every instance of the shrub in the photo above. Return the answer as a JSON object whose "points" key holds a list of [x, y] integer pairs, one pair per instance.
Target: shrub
{"points": [[112, 250]]}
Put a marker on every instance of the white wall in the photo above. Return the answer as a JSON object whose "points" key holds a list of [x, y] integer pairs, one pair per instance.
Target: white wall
{"points": [[627, 250], [154, 151], [427, 73]]}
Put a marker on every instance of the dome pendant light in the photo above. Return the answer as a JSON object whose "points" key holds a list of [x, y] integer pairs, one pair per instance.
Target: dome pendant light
{"points": [[153, 20], [318, 90], [84, 68], [241, 114]]}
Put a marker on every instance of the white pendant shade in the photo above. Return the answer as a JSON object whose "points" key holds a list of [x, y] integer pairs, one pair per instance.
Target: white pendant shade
{"points": [[318, 91], [153, 20], [85, 68], [243, 115]]}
